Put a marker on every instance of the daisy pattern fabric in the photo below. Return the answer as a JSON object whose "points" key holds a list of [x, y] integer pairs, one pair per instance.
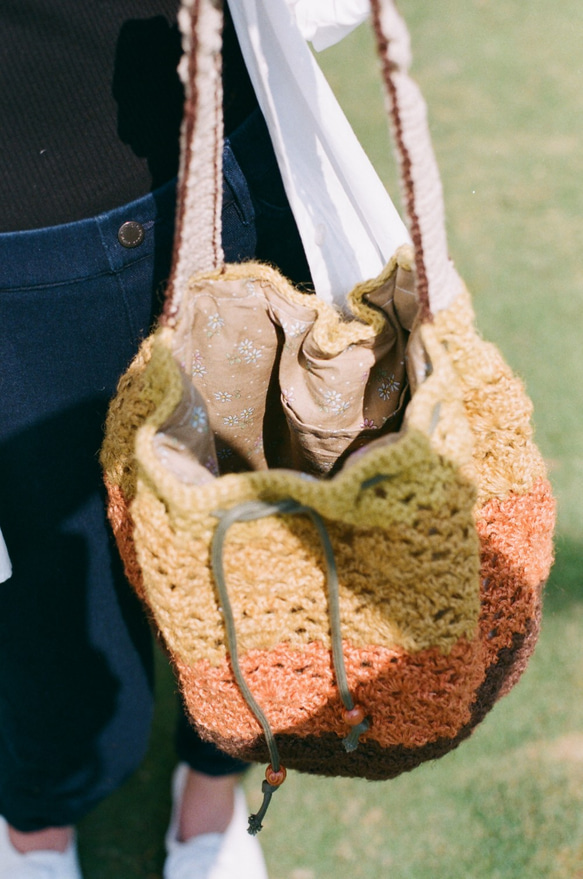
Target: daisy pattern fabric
{"points": [[390, 447]]}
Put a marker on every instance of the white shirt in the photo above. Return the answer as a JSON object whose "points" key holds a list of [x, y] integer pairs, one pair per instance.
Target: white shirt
{"points": [[347, 222], [325, 22]]}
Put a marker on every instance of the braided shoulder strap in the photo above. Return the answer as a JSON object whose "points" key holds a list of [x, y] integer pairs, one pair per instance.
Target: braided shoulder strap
{"points": [[438, 283], [197, 238]]}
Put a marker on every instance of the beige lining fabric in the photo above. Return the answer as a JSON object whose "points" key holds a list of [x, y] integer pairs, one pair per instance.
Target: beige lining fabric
{"points": [[279, 378]]}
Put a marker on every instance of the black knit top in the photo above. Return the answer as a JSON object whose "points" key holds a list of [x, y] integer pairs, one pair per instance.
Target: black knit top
{"points": [[90, 105]]}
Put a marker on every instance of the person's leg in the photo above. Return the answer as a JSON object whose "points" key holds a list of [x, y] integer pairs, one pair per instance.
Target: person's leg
{"points": [[75, 665], [208, 795], [56, 839], [75, 676]]}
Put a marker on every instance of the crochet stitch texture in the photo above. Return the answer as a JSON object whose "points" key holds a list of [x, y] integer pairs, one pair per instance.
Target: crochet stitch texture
{"points": [[435, 626]]}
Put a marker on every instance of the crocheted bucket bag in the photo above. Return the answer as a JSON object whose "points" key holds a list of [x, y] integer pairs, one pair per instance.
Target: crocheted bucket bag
{"points": [[341, 525]]}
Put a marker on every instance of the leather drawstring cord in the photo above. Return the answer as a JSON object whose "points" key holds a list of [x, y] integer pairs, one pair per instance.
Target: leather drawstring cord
{"points": [[353, 715]]}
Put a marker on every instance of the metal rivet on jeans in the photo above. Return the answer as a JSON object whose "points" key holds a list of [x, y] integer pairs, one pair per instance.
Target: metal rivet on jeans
{"points": [[131, 234]]}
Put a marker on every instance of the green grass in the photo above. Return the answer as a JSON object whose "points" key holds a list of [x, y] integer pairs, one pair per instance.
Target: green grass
{"points": [[503, 85]]}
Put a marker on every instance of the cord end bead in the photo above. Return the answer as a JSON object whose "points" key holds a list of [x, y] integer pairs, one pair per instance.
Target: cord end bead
{"points": [[355, 718], [273, 780]]}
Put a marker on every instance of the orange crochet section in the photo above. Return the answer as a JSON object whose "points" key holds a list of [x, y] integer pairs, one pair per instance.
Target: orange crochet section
{"points": [[516, 536], [324, 754], [411, 699], [123, 530]]}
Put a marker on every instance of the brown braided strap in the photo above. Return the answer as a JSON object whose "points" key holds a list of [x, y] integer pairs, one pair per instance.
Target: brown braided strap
{"points": [[437, 281]]}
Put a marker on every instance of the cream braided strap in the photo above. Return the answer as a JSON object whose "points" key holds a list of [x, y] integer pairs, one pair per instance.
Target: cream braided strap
{"points": [[197, 241], [438, 283]]}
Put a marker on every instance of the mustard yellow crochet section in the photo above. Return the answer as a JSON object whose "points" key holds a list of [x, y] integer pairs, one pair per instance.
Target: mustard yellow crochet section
{"points": [[142, 391], [407, 559], [400, 516], [497, 407]]}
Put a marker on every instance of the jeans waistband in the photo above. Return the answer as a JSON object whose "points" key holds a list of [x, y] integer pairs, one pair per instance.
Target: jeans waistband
{"points": [[86, 248]]}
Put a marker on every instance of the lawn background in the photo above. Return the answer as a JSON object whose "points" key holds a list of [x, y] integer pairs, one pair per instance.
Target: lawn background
{"points": [[503, 81]]}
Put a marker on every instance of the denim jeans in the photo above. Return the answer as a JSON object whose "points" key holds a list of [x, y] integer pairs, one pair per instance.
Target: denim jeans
{"points": [[76, 667]]}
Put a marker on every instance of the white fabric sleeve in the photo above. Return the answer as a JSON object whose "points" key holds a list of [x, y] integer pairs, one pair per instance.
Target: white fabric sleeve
{"points": [[326, 22], [5, 566]]}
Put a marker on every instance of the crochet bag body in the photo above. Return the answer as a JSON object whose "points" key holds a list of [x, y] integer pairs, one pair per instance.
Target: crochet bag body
{"points": [[340, 523]]}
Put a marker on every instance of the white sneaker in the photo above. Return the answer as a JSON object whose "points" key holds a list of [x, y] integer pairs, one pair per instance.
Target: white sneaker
{"points": [[36, 865], [233, 854]]}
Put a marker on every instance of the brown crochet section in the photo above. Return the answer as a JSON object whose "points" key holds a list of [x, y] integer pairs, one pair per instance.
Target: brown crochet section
{"points": [[421, 705]]}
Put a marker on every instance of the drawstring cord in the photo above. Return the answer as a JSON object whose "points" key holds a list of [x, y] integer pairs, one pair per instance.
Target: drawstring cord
{"points": [[354, 715]]}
